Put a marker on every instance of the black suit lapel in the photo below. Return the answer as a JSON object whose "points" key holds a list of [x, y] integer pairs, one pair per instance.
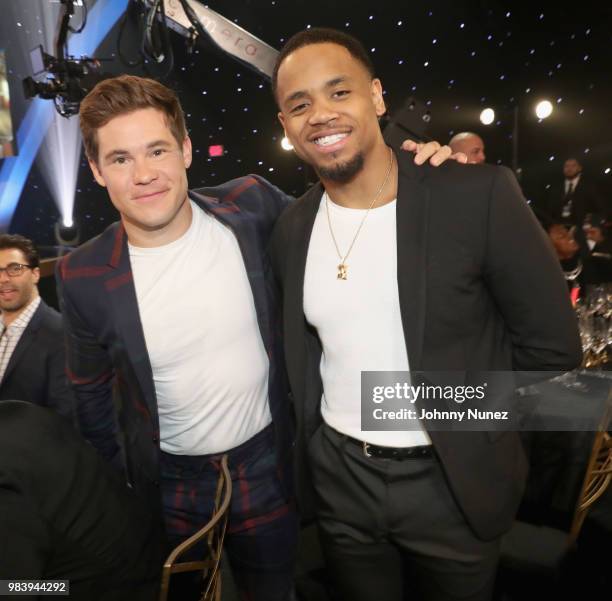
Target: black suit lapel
{"points": [[119, 284], [26, 340], [297, 253], [412, 220]]}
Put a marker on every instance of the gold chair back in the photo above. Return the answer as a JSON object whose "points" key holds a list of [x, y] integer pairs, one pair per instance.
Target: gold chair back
{"points": [[596, 480], [212, 534]]}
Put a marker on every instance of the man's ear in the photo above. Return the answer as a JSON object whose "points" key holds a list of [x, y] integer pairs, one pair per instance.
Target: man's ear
{"points": [[96, 172], [187, 152], [377, 97], [36, 274]]}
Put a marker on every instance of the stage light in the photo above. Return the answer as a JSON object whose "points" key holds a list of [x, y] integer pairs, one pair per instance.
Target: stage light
{"points": [[487, 116], [285, 144], [544, 109], [38, 117], [59, 161], [66, 235]]}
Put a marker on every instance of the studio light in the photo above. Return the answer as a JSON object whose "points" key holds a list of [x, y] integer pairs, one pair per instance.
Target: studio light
{"points": [[487, 116], [544, 109], [59, 162]]}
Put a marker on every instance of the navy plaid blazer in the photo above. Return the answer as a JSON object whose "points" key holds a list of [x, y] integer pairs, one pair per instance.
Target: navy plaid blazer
{"points": [[106, 348]]}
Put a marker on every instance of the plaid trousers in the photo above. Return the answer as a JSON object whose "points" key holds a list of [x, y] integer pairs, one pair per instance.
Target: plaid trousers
{"points": [[261, 539]]}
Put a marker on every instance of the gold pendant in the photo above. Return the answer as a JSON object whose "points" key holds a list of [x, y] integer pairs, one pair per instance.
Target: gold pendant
{"points": [[342, 271]]}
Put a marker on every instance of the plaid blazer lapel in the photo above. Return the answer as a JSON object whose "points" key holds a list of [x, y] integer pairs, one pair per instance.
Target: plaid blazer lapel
{"points": [[119, 284]]}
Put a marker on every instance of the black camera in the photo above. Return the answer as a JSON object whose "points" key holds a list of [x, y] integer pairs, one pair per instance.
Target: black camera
{"points": [[68, 79]]}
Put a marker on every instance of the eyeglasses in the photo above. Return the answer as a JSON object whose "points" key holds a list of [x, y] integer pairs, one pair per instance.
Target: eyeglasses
{"points": [[15, 269]]}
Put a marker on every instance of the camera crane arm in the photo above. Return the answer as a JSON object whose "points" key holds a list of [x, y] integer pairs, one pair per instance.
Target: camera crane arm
{"points": [[62, 30], [409, 122], [190, 18]]}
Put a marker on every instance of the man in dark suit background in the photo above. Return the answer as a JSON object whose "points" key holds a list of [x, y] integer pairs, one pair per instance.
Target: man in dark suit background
{"points": [[32, 356], [570, 201], [386, 267]]}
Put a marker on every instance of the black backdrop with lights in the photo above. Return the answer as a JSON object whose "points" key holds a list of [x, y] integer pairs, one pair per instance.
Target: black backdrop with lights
{"points": [[457, 57]]}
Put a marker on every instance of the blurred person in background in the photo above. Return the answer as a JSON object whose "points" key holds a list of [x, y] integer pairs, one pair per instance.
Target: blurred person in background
{"points": [[65, 514], [32, 352], [571, 200], [470, 144]]}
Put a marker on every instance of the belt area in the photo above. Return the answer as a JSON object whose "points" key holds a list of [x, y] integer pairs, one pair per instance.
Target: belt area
{"points": [[397, 453]]}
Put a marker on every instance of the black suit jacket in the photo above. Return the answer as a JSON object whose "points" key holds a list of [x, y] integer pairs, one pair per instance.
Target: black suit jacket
{"points": [[66, 514], [479, 289], [585, 199], [36, 371]]}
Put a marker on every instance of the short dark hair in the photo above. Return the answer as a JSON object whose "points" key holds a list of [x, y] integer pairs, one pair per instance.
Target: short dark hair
{"points": [[122, 95], [321, 35], [25, 245]]}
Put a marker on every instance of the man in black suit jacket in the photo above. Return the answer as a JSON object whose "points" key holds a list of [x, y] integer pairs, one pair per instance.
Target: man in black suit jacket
{"points": [[66, 514], [570, 201], [384, 266], [32, 343]]}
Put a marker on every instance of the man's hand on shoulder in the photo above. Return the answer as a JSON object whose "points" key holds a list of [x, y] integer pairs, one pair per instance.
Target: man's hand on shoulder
{"points": [[433, 151]]}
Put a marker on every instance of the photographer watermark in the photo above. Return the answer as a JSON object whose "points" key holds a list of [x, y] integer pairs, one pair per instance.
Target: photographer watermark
{"points": [[484, 401]]}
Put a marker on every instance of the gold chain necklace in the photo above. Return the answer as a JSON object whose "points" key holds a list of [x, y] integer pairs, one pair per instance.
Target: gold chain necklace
{"points": [[343, 267]]}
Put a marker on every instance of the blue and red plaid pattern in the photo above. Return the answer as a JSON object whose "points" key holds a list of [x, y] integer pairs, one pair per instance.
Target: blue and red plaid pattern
{"points": [[261, 538]]}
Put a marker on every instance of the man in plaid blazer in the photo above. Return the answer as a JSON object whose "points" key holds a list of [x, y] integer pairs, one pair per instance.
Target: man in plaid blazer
{"points": [[137, 146]]}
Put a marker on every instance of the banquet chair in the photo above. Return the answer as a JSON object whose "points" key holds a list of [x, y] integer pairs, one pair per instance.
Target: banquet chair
{"points": [[538, 553], [212, 535], [596, 480]]}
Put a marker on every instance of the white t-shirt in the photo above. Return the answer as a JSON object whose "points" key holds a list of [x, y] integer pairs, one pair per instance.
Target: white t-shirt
{"points": [[210, 367], [358, 320]]}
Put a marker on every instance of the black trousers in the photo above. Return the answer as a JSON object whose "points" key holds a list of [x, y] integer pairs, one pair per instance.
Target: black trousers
{"points": [[391, 530], [65, 513]]}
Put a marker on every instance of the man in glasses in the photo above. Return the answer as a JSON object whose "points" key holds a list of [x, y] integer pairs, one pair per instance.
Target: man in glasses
{"points": [[31, 342]]}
